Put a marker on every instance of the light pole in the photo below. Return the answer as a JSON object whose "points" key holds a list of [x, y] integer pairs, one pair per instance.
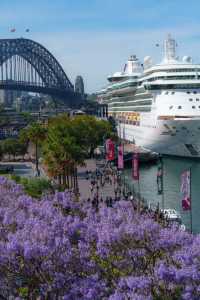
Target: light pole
{"points": [[160, 180]]}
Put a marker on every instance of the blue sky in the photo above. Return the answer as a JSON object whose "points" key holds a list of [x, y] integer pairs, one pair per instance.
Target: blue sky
{"points": [[94, 38]]}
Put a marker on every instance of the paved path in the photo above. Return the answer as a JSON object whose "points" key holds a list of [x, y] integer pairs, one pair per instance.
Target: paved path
{"points": [[84, 184]]}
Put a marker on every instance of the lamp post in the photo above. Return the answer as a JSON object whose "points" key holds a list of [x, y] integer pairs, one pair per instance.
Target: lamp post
{"points": [[160, 180]]}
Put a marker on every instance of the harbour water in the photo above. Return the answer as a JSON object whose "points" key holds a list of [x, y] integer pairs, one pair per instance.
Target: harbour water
{"points": [[172, 169]]}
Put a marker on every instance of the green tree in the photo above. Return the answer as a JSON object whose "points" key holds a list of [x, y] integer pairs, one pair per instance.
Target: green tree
{"points": [[90, 132], [35, 187], [62, 152], [34, 133], [9, 147]]}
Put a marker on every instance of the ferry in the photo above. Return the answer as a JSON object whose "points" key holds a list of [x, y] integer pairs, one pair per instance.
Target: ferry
{"points": [[157, 106]]}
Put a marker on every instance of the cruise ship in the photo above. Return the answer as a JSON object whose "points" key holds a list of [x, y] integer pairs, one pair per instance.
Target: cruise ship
{"points": [[157, 106]]}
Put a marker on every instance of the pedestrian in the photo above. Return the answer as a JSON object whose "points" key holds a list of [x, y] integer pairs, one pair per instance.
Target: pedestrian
{"points": [[88, 200], [107, 201], [91, 188], [97, 204], [93, 202]]}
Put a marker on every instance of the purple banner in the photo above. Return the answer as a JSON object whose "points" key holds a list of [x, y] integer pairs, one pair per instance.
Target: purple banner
{"points": [[185, 190]]}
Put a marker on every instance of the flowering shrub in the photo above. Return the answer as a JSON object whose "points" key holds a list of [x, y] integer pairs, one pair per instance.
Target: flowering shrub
{"points": [[57, 248]]}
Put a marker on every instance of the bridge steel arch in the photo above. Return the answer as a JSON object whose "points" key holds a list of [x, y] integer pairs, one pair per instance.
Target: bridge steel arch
{"points": [[27, 65]]}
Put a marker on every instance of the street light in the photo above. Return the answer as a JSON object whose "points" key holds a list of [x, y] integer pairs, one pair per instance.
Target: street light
{"points": [[160, 179]]}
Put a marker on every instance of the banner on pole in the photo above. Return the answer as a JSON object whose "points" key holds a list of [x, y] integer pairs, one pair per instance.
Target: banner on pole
{"points": [[120, 157], [135, 166], [185, 190], [110, 150]]}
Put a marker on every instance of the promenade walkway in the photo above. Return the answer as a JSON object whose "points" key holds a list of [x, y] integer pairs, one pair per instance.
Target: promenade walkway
{"points": [[108, 190]]}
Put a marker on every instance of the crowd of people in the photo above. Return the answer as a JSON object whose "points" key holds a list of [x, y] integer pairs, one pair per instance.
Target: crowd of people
{"points": [[108, 180]]}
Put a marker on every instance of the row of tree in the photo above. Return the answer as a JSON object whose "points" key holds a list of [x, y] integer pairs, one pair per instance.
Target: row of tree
{"points": [[12, 147], [65, 143]]}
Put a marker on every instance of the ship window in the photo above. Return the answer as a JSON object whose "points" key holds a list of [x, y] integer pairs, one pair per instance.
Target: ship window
{"points": [[194, 92], [173, 93], [197, 99], [171, 107], [166, 93], [179, 107], [193, 106], [199, 106], [190, 99], [188, 92]]}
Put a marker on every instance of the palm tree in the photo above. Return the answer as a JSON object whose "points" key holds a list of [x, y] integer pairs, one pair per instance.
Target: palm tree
{"points": [[35, 133]]}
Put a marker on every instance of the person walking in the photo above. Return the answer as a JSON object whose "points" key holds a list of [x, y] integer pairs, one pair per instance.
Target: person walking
{"points": [[107, 201]]}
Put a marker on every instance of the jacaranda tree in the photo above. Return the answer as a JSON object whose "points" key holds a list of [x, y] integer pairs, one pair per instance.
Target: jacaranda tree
{"points": [[57, 248]]}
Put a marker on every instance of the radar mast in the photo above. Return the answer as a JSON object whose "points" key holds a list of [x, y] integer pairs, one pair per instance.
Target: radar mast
{"points": [[169, 49]]}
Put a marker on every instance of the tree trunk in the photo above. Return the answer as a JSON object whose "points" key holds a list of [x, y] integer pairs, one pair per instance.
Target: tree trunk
{"points": [[76, 174], [64, 177], [68, 177], [71, 175], [74, 178], [36, 159], [59, 179]]}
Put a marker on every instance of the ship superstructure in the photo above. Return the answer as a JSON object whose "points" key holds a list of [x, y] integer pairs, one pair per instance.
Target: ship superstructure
{"points": [[157, 106]]}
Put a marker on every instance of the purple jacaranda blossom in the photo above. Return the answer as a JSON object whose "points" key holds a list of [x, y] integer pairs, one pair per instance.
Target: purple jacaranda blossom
{"points": [[60, 248]]}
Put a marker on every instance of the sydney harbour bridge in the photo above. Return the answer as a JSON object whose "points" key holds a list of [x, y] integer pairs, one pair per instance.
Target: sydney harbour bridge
{"points": [[28, 66]]}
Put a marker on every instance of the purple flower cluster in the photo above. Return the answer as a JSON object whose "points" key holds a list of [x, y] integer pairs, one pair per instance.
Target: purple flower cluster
{"points": [[58, 248]]}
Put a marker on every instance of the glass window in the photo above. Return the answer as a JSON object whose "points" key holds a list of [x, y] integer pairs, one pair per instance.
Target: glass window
{"points": [[171, 107], [197, 99], [173, 93], [179, 107], [190, 99], [193, 106], [194, 92], [188, 92]]}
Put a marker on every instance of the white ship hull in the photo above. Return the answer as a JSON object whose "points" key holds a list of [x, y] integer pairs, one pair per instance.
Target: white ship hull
{"points": [[158, 107], [171, 137]]}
